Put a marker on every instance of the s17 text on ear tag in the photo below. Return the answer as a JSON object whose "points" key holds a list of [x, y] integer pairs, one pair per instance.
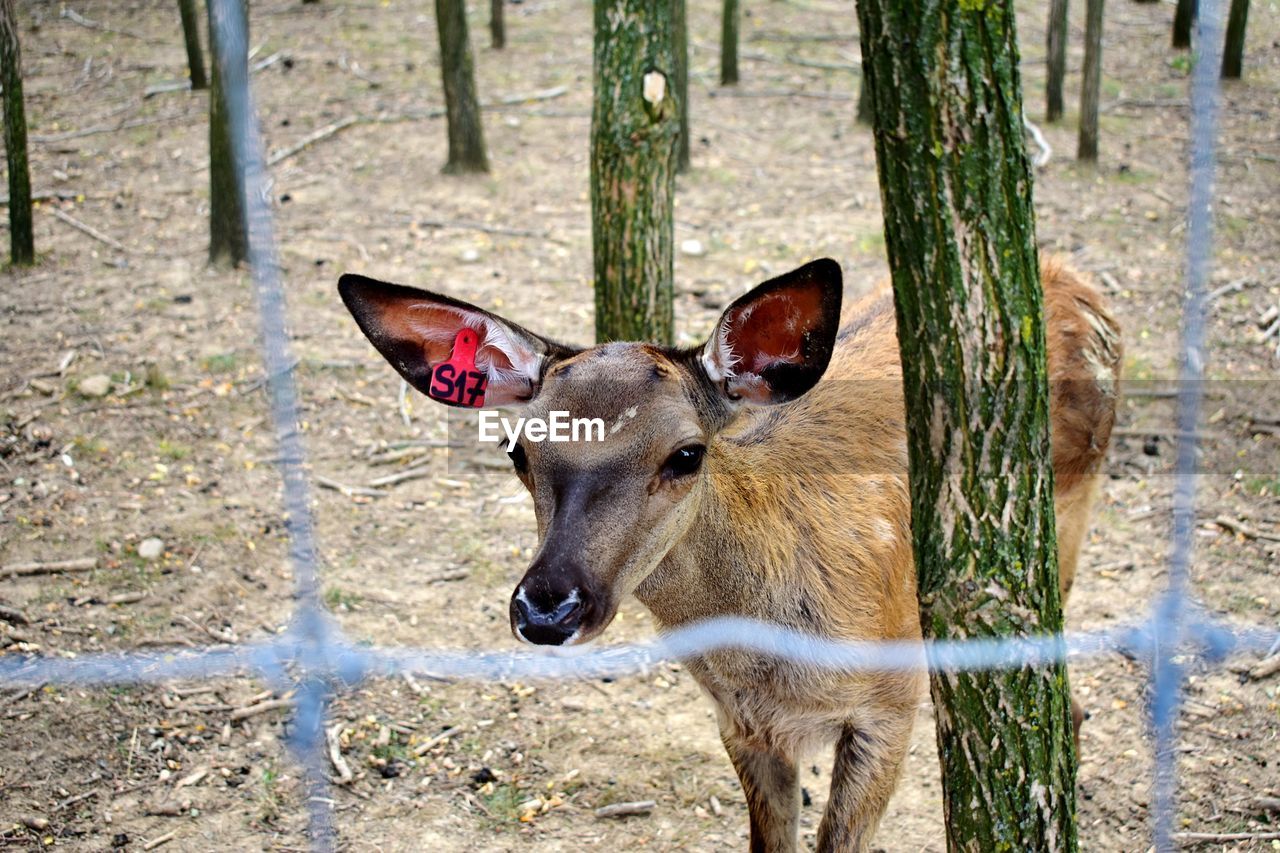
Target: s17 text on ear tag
{"points": [[457, 381]]}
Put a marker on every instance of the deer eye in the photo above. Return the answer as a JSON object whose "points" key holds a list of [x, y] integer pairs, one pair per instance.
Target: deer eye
{"points": [[682, 463], [518, 458]]}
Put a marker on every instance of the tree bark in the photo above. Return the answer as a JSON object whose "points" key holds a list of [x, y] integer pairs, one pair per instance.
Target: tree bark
{"points": [[191, 34], [22, 249], [228, 231], [1056, 48], [960, 234], [1091, 84], [866, 113], [466, 134], [729, 44], [680, 38], [635, 125], [1184, 19], [497, 25], [1233, 48]]}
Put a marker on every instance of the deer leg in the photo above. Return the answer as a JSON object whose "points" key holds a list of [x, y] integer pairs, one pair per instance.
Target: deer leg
{"points": [[862, 779], [773, 794]]}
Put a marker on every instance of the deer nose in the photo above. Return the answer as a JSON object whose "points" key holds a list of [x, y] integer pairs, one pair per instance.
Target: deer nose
{"points": [[546, 620]]}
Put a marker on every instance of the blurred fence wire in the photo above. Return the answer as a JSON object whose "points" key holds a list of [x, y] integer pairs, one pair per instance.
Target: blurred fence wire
{"points": [[313, 658]]}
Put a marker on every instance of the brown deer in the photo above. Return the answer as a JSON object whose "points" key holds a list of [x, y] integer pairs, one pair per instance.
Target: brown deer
{"points": [[762, 474]]}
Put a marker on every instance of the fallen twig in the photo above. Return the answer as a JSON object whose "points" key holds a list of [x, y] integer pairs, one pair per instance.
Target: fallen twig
{"points": [[110, 128], [160, 841], [424, 747], [1265, 668], [48, 195], [1226, 836], [335, 756], [193, 779], [312, 138], [638, 807], [445, 575], [349, 491], [71, 801], [261, 708], [168, 86], [14, 615], [1236, 526], [480, 226], [415, 473], [83, 564], [89, 229]]}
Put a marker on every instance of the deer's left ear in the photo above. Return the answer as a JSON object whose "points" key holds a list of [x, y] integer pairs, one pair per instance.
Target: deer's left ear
{"points": [[773, 344]]}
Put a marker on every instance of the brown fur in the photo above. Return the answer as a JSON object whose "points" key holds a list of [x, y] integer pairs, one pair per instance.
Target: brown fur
{"points": [[799, 514]]}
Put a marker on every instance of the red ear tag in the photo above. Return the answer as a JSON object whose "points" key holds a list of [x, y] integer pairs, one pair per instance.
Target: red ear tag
{"points": [[457, 381]]}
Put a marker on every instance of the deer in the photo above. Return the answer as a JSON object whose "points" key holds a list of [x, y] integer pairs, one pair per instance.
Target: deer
{"points": [[761, 474]]}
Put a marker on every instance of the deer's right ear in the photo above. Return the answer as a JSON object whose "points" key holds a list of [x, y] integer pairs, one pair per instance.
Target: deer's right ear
{"points": [[417, 331]]}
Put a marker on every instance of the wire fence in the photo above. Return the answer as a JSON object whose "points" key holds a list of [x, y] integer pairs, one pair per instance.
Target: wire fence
{"points": [[316, 661]]}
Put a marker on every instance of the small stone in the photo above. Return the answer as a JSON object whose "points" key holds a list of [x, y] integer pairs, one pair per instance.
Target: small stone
{"points": [[98, 385], [150, 549], [469, 256], [693, 248]]}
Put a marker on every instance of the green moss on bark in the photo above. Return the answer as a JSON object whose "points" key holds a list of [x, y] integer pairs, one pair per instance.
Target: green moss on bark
{"points": [[466, 134], [635, 124], [22, 249], [228, 231], [960, 236]]}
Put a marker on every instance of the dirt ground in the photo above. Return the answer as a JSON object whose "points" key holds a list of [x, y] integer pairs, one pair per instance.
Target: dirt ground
{"points": [[178, 448]]}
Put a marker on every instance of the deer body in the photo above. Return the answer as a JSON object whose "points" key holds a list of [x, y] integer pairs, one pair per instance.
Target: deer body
{"points": [[794, 511]]}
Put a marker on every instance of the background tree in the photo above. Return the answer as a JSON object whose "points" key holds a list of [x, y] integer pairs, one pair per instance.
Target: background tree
{"points": [[680, 37], [729, 44], [497, 25], [21, 240], [228, 235], [1233, 47], [1091, 82], [1056, 51], [960, 237], [634, 127], [466, 135], [191, 34], [1184, 17]]}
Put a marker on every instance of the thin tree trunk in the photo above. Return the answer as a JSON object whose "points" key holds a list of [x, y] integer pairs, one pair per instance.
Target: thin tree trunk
{"points": [[497, 25], [635, 125], [680, 36], [729, 44], [191, 34], [1056, 47], [1091, 84], [466, 134], [866, 113], [228, 234], [960, 234], [22, 248], [1233, 48], [1184, 18]]}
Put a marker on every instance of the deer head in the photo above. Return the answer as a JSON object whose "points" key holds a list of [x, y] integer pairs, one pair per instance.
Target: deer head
{"points": [[611, 505]]}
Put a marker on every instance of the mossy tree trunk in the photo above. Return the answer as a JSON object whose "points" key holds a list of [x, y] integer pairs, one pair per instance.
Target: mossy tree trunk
{"points": [[497, 24], [466, 134], [1056, 51], [1233, 48], [729, 44], [1091, 82], [191, 34], [635, 126], [960, 234], [22, 249], [680, 37], [228, 234]]}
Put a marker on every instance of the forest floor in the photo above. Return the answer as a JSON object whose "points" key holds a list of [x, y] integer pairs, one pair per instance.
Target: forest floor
{"points": [[131, 409]]}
